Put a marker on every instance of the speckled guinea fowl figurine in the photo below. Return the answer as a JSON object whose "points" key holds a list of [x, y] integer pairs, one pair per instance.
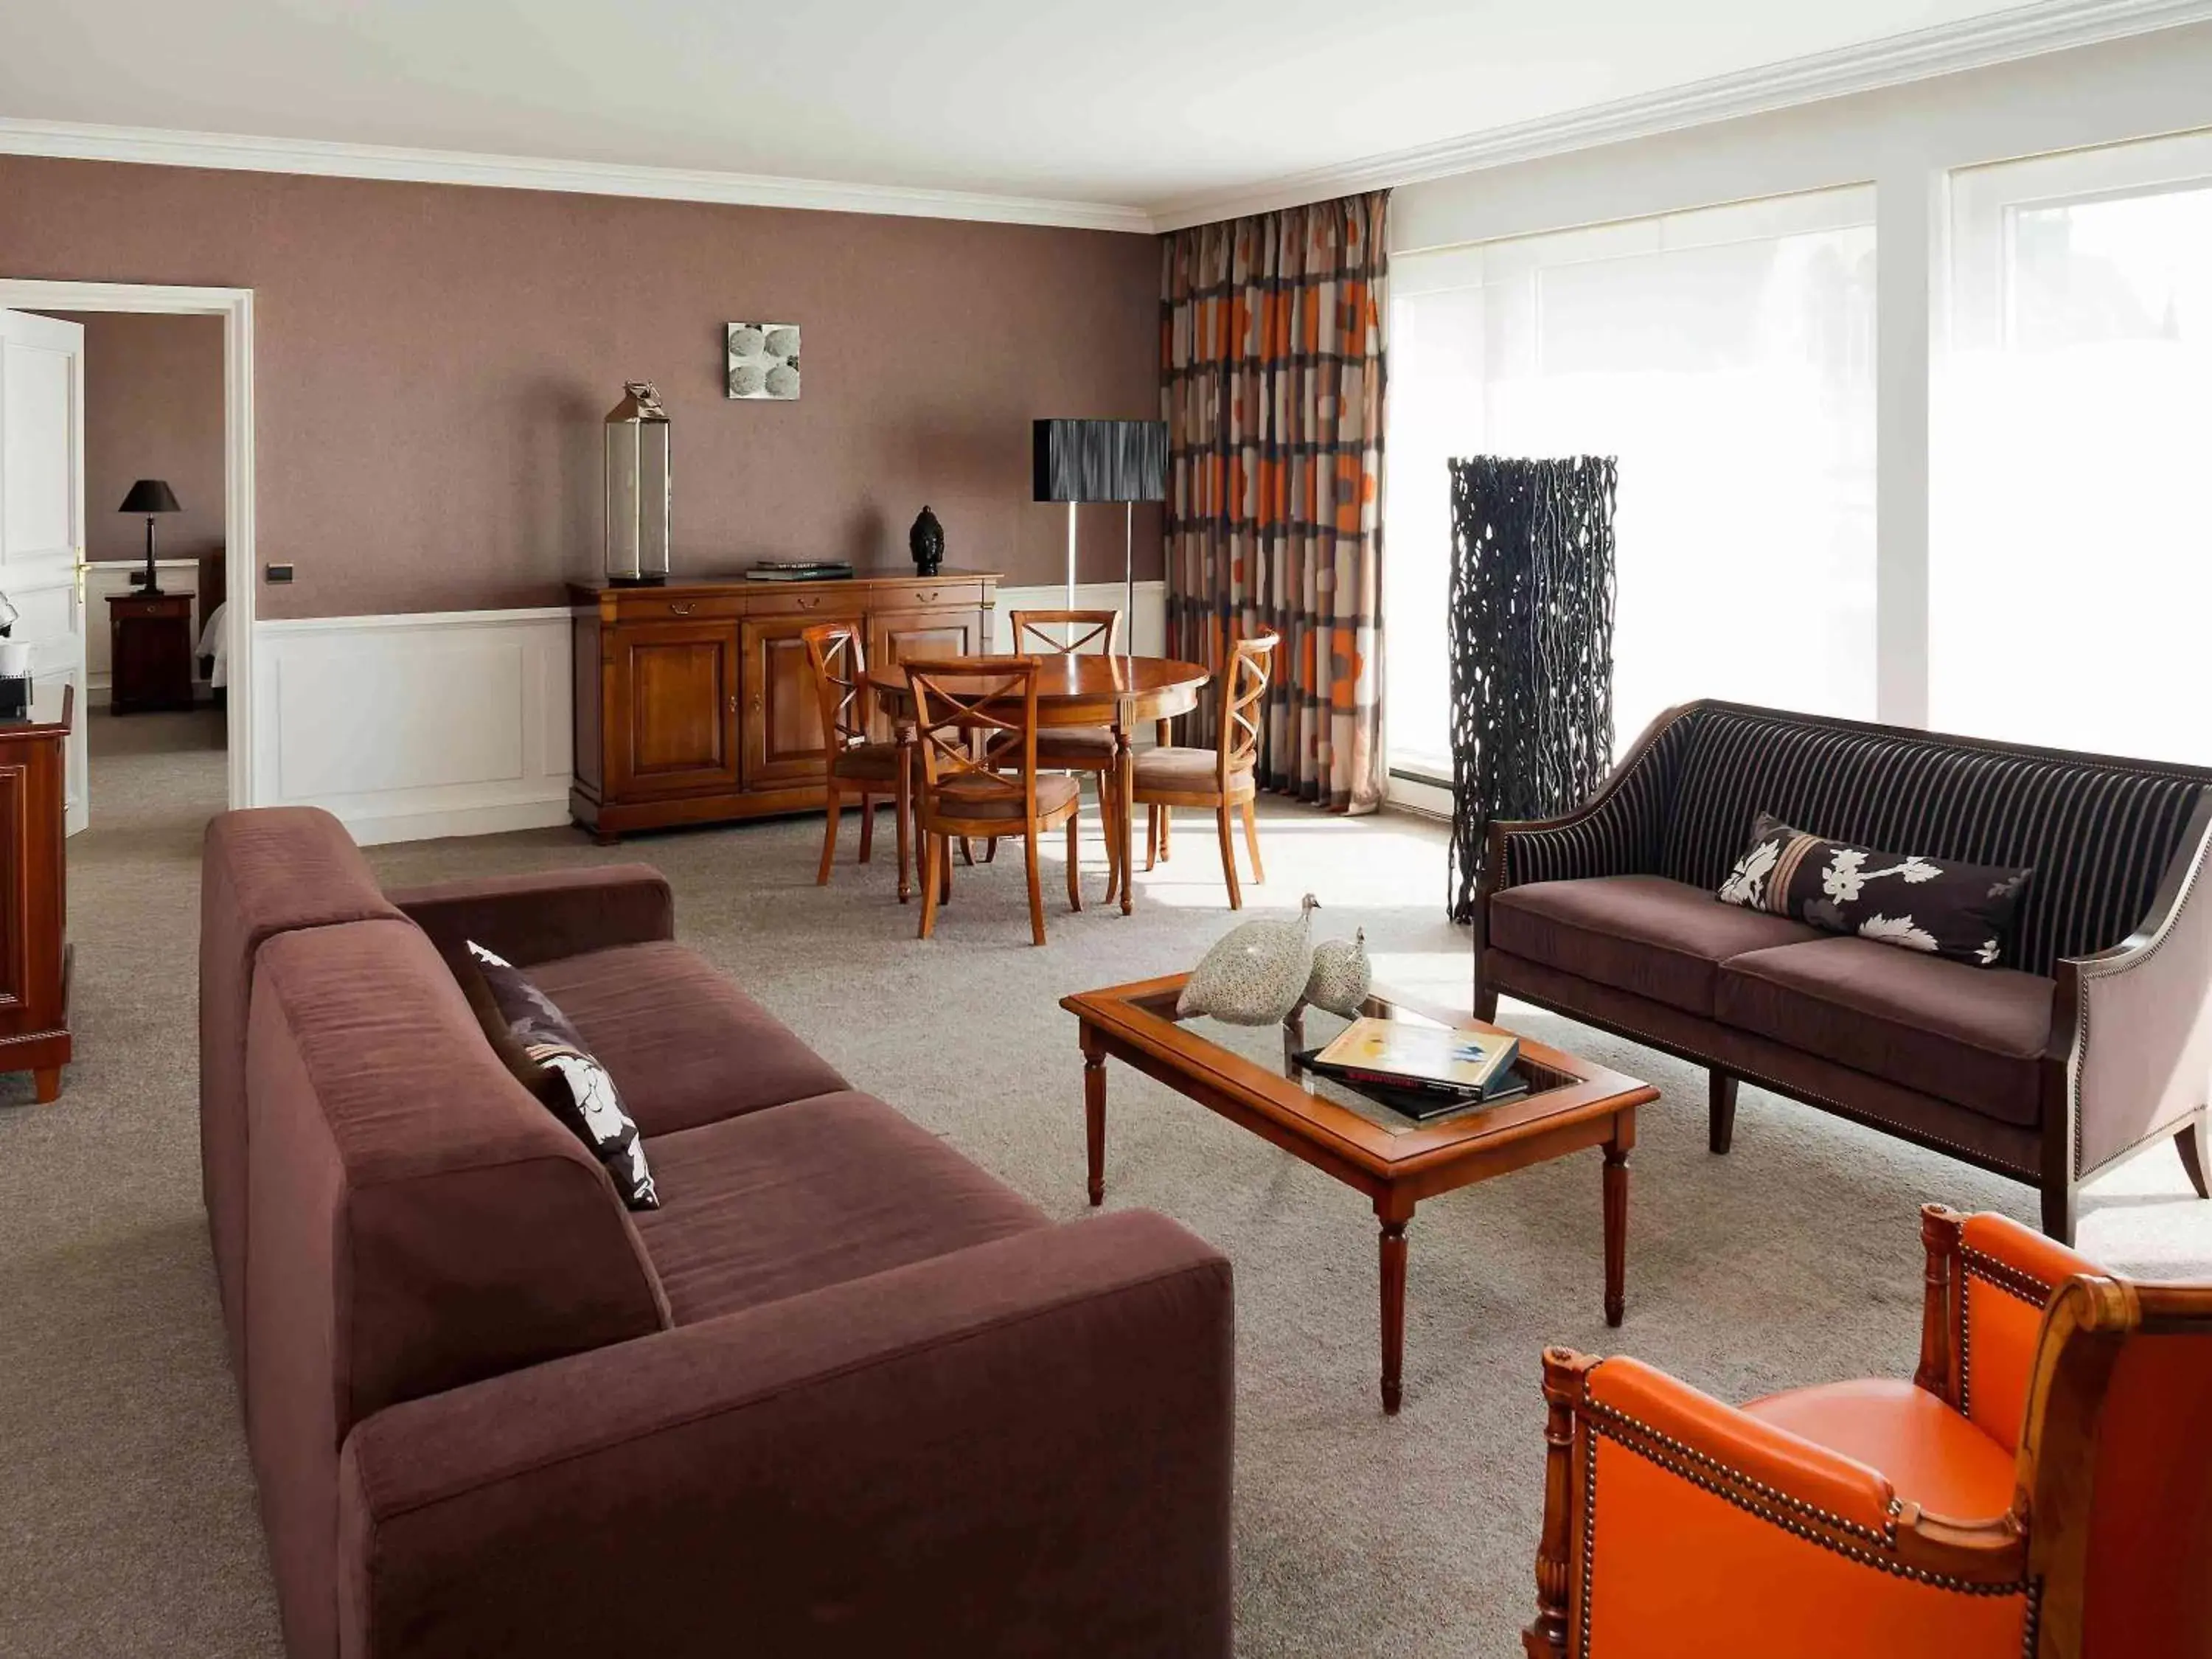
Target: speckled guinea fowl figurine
{"points": [[1340, 978], [1255, 973]]}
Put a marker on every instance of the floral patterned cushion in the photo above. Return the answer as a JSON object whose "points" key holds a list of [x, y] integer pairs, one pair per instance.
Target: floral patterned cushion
{"points": [[547, 1056], [1940, 906]]}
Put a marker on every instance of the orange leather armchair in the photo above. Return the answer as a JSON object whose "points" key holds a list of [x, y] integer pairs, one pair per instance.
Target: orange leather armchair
{"points": [[2043, 1487]]}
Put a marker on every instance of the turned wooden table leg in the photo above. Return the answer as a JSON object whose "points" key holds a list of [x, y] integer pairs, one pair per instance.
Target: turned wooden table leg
{"points": [[1616, 1216], [46, 1085], [1394, 1310], [1094, 1115]]}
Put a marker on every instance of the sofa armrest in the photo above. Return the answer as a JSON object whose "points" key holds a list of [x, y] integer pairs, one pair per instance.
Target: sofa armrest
{"points": [[2133, 1026], [1668, 1512], [1021, 1447], [1615, 832], [546, 915]]}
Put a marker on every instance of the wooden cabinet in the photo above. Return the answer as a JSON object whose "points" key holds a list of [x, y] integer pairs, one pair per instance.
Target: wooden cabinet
{"points": [[149, 651], [781, 724], [695, 703], [672, 695], [35, 1035]]}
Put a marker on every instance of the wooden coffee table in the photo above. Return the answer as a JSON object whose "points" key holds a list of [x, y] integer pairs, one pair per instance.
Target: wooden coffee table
{"points": [[1244, 1073]]}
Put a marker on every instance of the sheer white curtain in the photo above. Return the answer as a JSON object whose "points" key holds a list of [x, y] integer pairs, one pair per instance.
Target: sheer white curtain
{"points": [[1726, 357], [2071, 573]]}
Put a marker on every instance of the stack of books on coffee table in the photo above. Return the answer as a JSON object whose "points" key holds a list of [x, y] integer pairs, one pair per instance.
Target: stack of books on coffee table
{"points": [[1424, 1070]]}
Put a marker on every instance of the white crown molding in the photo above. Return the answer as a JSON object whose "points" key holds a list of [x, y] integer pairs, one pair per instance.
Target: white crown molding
{"points": [[1973, 43], [240, 152]]}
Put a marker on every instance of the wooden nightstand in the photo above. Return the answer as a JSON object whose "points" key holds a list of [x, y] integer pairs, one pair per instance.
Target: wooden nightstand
{"points": [[150, 652]]}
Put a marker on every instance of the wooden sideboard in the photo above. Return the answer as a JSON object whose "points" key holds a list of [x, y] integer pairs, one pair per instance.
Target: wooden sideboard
{"points": [[695, 703], [34, 962]]}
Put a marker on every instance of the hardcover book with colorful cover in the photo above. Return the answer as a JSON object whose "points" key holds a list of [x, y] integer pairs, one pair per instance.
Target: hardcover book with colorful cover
{"points": [[1463, 1061]]}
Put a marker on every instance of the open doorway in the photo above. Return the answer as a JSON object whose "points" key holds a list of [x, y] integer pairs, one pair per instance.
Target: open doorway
{"points": [[205, 566], [155, 563]]}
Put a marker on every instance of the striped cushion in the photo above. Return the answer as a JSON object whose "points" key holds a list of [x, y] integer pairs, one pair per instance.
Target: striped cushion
{"points": [[2098, 833]]}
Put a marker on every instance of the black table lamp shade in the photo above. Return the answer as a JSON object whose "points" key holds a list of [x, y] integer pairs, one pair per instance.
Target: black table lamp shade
{"points": [[1124, 461], [150, 496]]}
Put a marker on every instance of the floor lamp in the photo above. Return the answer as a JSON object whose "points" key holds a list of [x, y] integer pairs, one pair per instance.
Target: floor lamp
{"points": [[1124, 461]]}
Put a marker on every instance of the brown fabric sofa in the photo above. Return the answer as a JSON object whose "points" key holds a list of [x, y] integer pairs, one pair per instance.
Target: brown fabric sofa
{"points": [[843, 1394], [2091, 1040]]}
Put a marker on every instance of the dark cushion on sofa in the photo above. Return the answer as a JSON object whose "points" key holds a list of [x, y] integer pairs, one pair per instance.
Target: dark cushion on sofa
{"points": [[1967, 1035], [817, 1192], [685, 1046], [1660, 938]]}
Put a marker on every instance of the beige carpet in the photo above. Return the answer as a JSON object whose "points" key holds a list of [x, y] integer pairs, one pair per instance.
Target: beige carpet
{"points": [[126, 1510]]}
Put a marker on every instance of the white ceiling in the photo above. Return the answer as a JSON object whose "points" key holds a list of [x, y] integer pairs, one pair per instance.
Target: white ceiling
{"points": [[1150, 104]]}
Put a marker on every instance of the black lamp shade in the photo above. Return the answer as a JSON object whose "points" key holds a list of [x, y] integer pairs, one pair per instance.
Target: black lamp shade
{"points": [[1100, 461], [150, 495]]}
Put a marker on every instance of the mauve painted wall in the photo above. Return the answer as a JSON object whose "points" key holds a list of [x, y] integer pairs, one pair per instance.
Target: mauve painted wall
{"points": [[152, 408], [433, 364]]}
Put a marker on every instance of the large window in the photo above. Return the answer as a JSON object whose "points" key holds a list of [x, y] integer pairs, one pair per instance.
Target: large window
{"points": [[2071, 572], [1725, 356]]}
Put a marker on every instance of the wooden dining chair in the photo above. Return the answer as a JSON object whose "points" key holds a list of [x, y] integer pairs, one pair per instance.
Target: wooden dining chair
{"points": [[857, 765], [1078, 748], [997, 791], [1221, 779]]}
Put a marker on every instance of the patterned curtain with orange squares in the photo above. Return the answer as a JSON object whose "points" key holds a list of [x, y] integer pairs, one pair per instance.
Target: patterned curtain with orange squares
{"points": [[1272, 357]]}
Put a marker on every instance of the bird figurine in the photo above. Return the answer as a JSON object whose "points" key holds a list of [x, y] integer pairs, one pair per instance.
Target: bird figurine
{"points": [[1255, 973], [1340, 978]]}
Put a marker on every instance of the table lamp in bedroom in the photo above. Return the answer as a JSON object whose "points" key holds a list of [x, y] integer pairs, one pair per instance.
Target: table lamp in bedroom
{"points": [[150, 496]]}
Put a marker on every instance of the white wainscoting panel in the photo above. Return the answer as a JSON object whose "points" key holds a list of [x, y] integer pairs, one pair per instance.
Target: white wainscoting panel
{"points": [[458, 723], [1148, 631], [449, 723]]}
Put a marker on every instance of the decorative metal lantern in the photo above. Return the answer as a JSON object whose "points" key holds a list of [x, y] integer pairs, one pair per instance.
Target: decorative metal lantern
{"points": [[637, 488]]}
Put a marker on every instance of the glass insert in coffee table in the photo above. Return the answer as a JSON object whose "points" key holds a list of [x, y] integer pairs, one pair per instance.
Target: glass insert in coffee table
{"points": [[1276, 1047]]}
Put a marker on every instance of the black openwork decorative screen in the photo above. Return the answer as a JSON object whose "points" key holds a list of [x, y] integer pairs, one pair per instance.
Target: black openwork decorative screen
{"points": [[1531, 623]]}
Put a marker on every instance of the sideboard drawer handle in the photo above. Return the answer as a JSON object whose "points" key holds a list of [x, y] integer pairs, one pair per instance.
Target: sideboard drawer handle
{"points": [[926, 595], [808, 603], [682, 607]]}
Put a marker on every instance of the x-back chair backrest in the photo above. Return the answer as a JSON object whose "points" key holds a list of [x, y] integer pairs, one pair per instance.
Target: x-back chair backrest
{"points": [[1244, 690], [840, 663], [955, 698], [1066, 633]]}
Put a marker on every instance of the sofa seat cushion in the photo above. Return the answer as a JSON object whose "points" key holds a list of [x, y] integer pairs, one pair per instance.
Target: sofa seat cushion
{"points": [[816, 1193], [1659, 939], [1970, 1036], [1931, 1454], [684, 1045]]}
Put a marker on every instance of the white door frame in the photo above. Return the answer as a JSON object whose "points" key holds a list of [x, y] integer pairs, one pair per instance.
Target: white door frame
{"points": [[242, 577]]}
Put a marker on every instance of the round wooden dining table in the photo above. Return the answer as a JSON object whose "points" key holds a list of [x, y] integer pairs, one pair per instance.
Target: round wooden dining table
{"points": [[1094, 688]]}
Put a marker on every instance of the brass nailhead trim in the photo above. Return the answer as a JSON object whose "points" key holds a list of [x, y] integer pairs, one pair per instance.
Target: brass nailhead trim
{"points": [[1998, 1275], [2015, 1281], [1886, 1535], [1589, 1537], [1795, 1528]]}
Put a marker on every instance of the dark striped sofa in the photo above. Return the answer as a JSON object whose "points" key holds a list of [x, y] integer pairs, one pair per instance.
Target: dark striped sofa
{"points": [[2091, 1039]]}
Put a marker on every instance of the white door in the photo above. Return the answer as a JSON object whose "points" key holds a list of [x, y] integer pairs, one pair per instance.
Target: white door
{"points": [[42, 510]]}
